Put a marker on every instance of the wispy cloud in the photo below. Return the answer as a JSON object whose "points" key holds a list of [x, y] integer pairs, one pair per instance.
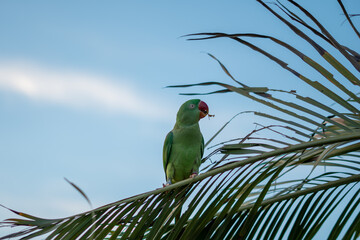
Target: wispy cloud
{"points": [[76, 89]]}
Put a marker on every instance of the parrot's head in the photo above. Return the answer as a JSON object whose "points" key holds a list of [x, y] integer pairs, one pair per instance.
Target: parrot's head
{"points": [[192, 111]]}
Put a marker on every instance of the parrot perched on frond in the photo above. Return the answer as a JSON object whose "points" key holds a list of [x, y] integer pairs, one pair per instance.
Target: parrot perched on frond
{"points": [[184, 145]]}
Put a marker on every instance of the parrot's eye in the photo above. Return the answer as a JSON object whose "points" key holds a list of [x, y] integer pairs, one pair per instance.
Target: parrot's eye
{"points": [[192, 106]]}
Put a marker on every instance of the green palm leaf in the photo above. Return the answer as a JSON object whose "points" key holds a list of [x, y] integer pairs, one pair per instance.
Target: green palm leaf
{"points": [[249, 191]]}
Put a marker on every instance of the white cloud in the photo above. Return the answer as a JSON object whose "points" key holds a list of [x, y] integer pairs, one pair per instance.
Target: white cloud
{"points": [[76, 89]]}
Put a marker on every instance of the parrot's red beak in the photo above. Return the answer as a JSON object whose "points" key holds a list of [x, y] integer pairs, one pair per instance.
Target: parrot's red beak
{"points": [[204, 109]]}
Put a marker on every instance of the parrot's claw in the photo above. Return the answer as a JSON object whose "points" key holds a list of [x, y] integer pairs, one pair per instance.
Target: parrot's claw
{"points": [[193, 175], [167, 183]]}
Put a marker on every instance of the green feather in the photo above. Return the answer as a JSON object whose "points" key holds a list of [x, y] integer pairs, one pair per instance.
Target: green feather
{"points": [[167, 150], [184, 145]]}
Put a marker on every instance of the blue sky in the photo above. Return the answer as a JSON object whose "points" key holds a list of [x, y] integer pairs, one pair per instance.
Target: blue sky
{"points": [[82, 90]]}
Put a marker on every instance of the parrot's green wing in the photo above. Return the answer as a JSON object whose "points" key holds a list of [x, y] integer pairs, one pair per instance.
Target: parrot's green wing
{"points": [[167, 149], [202, 146]]}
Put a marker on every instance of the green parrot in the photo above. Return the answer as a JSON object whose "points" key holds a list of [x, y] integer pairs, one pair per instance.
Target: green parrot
{"points": [[184, 145]]}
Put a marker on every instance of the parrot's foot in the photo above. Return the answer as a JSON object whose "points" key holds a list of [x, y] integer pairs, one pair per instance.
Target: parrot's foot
{"points": [[193, 175], [167, 183]]}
